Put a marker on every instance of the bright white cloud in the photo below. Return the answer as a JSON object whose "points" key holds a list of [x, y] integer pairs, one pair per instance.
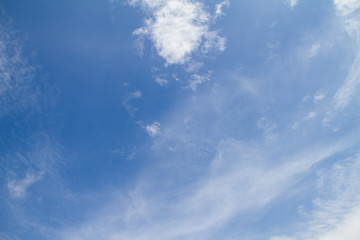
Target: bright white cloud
{"points": [[153, 129], [178, 28]]}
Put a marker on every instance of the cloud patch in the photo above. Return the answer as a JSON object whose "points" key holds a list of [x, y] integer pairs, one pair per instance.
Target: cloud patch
{"points": [[18, 187], [153, 129], [177, 28], [17, 90], [292, 3]]}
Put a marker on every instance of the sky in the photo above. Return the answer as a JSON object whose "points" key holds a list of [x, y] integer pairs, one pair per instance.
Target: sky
{"points": [[180, 120]]}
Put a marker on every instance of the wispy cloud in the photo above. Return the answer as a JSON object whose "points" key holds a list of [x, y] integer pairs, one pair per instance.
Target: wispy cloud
{"points": [[336, 211], [196, 80], [319, 96], [17, 90], [18, 187], [350, 87], [348, 10], [127, 101], [178, 28], [313, 51], [240, 179], [269, 128]]}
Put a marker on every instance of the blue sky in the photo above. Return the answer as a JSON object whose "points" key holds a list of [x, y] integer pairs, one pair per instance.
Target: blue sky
{"points": [[180, 119]]}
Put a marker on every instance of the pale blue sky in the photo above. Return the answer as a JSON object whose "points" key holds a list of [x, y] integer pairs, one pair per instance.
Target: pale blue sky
{"points": [[179, 119]]}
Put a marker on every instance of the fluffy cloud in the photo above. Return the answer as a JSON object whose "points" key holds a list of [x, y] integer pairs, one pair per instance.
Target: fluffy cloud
{"points": [[178, 28]]}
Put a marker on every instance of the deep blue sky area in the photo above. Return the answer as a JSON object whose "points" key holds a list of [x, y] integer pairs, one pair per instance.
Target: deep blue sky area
{"points": [[179, 119]]}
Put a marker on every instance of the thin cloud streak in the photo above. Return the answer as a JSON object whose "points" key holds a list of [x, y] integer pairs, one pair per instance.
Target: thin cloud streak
{"points": [[17, 90], [347, 10]]}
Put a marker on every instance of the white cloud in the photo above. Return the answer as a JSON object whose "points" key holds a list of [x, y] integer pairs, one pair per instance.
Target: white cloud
{"points": [[161, 81], [336, 212], [219, 8], [42, 160], [194, 66], [136, 94], [178, 28], [17, 90], [18, 187], [313, 51], [350, 87], [274, 23], [349, 11], [268, 127], [240, 179], [127, 101], [281, 238], [346, 7], [309, 116], [319, 96], [292, 3], [348, 229], [153, 129], [197, 79]]}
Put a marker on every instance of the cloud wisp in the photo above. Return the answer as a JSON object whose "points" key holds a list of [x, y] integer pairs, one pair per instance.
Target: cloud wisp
{"points": [[348, 11], [17, 90], [336, 210], [240, 179], [18, 187]]}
